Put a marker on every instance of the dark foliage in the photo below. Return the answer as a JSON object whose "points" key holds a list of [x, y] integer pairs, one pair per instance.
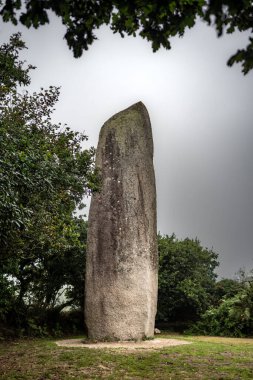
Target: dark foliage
{"points": [[44, 174], [155, 21], [186, 279]]}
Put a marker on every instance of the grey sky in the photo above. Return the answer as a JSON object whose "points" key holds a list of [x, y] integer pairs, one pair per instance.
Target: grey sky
{"points": [[201, 113]]}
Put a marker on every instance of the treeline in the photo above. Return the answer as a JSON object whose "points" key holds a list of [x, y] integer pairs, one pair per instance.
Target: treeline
{"points": [[44, 174], [190, 297]]}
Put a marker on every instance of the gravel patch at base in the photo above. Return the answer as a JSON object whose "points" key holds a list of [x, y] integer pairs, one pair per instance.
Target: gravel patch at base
{"points": [[146, 344]]}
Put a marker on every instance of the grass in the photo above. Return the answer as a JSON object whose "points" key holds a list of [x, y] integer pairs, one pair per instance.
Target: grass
{"points": [[206, 358]]}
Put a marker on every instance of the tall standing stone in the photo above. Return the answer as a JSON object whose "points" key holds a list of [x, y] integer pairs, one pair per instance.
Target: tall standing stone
{"points": [[121, 267]]}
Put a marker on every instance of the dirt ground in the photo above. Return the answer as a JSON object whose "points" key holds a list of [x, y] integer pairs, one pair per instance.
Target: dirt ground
{"points": [[146, 344]]}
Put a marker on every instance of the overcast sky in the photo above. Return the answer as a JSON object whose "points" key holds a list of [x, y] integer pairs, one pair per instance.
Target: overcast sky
{"points": [[201, 113]]}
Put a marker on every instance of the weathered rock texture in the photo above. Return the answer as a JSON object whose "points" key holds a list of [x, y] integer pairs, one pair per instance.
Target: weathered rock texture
{"points": [[121, 267]]}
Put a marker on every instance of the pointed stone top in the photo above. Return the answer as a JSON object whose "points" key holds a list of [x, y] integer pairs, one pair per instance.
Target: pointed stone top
{"points": [[139, 107]]}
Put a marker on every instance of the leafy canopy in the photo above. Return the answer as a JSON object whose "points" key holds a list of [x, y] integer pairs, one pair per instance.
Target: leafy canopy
{"points": [[186, 278], [154, 20], [233, 316], [44, 174]]}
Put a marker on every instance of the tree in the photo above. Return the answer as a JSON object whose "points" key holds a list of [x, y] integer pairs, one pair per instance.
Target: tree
{"points": [[155, 21], [231, 312], [232, 317], [186, 279], [44, 174], [226, 288]]}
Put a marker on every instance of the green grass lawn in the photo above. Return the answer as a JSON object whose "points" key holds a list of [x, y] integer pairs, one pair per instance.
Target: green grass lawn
{"points": [[206, 358]]}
